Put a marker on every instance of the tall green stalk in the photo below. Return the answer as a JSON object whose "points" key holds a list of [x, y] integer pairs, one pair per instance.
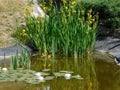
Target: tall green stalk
{"points": [[70, 31], [22, 61]]}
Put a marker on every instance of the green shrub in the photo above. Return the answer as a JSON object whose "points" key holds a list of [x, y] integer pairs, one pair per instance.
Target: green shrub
{"points": [[109, 11]]}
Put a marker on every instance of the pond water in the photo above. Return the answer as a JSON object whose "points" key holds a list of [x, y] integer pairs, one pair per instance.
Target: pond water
{"points": [[98, 75]]}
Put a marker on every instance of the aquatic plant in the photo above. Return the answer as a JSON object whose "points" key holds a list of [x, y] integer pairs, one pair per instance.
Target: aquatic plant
{"points": [[22, 61], [4, 69], [67, 76], [28, 76], [18, 75], [70, 30]]}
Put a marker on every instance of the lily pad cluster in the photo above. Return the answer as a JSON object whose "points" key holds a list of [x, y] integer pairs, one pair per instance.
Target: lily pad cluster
{"points": [[67, 75], [22, 75], [33, 77]]}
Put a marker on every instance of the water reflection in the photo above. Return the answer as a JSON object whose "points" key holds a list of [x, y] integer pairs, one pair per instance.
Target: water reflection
{"points": [[99, 75], [108, 75], [83, 67]]}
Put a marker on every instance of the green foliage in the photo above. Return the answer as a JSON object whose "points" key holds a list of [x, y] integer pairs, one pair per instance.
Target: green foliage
{"points": [[20, 35], [22, 61], [70, 32], [109, 11], [20, 75]]}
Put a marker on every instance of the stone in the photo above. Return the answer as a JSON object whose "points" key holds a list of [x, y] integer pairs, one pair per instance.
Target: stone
{"points": [[109, 45], [8, 52]]}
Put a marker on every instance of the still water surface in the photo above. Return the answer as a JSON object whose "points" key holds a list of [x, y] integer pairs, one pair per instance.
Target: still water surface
{"points": [[98, 75]]}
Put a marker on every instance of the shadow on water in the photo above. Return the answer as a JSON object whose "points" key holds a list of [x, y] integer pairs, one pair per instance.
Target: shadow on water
{"points": [[98, 75]]}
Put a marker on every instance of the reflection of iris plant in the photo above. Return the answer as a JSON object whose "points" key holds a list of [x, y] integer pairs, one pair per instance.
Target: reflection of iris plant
{"points": [[70, 31]]}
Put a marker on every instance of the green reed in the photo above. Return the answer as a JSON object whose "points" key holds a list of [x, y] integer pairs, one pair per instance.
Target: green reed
{"points": [[22, 61], [70, 31]]}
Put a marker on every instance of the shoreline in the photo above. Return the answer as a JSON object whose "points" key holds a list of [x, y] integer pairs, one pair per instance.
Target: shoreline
{"points": [[105, 49]]}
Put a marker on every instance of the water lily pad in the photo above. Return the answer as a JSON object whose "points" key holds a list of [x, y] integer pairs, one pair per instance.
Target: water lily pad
{"points": [[32, 72], [33, 81], [46, 70], [49, 78], [62, 74], [67, 72], [63, 71], [21, 79], [44, 74], [12, 80], [22, 75], [57, 74], [80, 78], [77, 77], [70, 72], [20, 69]]}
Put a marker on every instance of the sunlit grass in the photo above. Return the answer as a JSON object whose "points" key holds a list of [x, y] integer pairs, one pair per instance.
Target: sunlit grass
{"points": [[10, 10], [11, 5]]}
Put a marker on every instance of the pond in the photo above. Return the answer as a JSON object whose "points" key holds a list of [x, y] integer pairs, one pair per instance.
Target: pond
{"points": [[85, 75]]}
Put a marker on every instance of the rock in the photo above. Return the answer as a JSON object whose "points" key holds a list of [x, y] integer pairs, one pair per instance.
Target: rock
{"points": [[110, 45], [117, 60], [7, 52]]}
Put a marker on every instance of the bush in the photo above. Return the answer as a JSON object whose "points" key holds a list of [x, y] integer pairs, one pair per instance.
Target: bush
{"points": [[109, 11]]}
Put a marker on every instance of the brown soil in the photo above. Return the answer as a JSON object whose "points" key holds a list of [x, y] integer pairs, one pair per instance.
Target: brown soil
{"points": [[11, 16]]}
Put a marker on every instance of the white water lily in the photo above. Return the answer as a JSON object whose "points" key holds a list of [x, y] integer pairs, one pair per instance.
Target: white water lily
{"points": [[41, 78], [4, 69], [67, 76], [38, 74]]}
